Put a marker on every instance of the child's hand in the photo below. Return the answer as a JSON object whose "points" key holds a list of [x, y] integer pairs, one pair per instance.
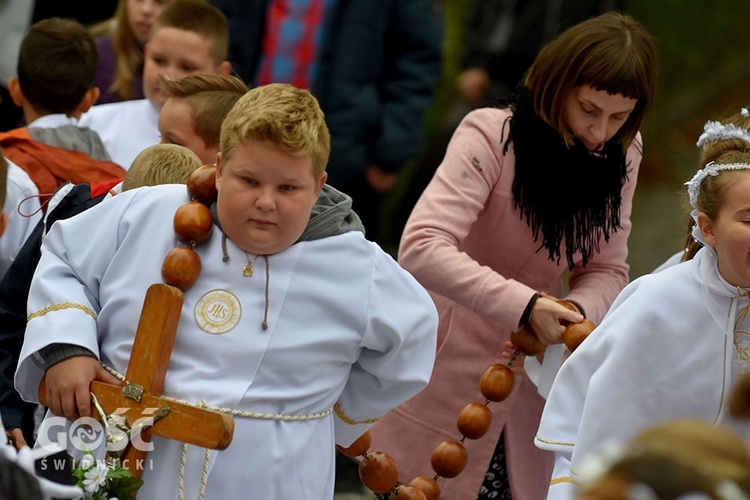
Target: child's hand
{"points": [[15, 437], [67, 385]]}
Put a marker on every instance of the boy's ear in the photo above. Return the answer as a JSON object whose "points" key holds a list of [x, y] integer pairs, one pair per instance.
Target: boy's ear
{"points": [[89, 99], [16, 94], [706, 225], [3, 222], [218, 170], [323, 179], [225, 68]]}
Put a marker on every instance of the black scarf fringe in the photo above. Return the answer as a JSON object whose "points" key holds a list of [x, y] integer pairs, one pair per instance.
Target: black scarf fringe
{"points": [[568, 196]]}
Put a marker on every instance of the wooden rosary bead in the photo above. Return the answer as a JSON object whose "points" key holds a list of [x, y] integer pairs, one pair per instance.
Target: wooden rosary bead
{"points": [[497, 382], [739, 400], [358, 447], [201, 185], [575, 333], [449, 458], [474, 420], [569, 305], [428, 486], [181, 268], [378, 471], [407, 492], [193, 223], [525, 341]]}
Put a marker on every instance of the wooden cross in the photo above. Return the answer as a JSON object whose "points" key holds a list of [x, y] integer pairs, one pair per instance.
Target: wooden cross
{"points": [[144, 382]]}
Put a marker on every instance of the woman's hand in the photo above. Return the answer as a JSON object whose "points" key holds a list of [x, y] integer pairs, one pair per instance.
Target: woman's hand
{"points": [[548, 320]]}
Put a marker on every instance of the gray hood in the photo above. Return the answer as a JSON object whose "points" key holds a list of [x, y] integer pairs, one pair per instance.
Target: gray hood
{"points": [[73, 138], [331, 215]]}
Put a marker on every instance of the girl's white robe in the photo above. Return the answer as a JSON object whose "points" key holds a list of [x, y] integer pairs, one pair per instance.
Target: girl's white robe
{"points": [[664, 351], [346, 327]]}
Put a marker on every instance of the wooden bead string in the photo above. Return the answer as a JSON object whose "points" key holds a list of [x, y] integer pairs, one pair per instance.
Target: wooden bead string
{"points": [[379, 472], [193, 225]]}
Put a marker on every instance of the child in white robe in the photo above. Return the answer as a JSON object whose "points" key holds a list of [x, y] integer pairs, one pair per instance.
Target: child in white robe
{"points": [[328, 334], [188, 37], [673, 344], [20, 194]]}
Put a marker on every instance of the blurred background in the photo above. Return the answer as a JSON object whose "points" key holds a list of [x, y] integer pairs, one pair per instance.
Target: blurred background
{"points": [[704, 75]]}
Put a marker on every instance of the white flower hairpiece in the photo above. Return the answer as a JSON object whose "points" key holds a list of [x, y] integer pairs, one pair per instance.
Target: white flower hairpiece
{"points": [[712, 169], [713, 130], [744, 112]]}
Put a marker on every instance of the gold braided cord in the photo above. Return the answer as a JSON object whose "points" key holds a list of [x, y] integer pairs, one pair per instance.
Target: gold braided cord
{"points": [[181, 472], [562, 480], [345, 418], [239, 413], [204, 475], [60, 307]]}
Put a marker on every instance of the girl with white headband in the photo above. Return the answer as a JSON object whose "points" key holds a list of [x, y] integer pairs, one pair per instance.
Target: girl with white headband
{"points": [[718, 137], [673, 344]]}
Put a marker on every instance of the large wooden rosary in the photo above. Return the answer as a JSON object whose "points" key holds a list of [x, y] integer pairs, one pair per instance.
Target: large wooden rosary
{"points": [[193, 225], [379, 472], [182, 266]]}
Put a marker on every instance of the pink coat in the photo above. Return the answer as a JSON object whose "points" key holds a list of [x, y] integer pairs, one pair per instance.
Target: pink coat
{"points": [[469, 247]]}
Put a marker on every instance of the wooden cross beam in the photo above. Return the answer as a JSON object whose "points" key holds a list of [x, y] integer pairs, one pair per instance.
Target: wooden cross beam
{"points": [[144, 382]]}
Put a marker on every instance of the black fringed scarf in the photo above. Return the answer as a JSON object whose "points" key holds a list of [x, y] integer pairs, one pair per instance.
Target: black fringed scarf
{"points": [[568, 195]]}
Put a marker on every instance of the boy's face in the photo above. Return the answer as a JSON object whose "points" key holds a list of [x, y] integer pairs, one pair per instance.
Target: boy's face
{"points": [[175, 53], [265, 196], [176, 127]]}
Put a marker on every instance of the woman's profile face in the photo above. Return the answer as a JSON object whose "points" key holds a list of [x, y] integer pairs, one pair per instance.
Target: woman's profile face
{"points": [[595, 116]]}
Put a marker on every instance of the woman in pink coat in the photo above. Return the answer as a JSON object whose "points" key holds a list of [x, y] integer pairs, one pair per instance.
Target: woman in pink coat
{"points": [[528, 191]]}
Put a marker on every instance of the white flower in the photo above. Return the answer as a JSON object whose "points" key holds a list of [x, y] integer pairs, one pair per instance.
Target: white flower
{"points": [[95, 478]]}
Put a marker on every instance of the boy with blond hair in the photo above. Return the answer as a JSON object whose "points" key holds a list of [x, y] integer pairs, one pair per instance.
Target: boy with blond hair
{"points": [[296, 386], [195, 109], [161, 164], [189, 36]]}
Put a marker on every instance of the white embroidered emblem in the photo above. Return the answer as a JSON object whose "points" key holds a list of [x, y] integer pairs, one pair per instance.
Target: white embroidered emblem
{"points": [[217, 311], [742, 353]]}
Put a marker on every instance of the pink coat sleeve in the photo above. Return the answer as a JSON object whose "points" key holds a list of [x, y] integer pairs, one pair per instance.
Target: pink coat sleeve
{"points": [[431, 245]]}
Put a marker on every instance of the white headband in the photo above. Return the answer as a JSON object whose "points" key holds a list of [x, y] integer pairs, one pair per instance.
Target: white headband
{"points": [[714, 130], [712, 169]]}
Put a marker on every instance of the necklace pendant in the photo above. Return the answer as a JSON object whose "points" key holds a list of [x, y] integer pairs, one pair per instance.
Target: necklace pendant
{"points": [[248, 271]]}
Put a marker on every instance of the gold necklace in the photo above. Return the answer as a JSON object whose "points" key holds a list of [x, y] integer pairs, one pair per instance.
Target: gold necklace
{"points": [[248, 270]]}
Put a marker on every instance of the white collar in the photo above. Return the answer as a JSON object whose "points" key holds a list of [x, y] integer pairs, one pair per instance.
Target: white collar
{"points": [[52, 121]]}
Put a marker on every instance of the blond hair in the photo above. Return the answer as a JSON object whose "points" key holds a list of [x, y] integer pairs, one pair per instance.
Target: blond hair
{"points": [[209, 96], [674, 458], [279, 114], [610, 52], [161, 164]]}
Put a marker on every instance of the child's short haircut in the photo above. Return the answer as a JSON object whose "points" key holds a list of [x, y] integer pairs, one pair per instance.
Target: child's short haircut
{"points": [[161, 164], [210, 97], [57, 64], [279, 114], [199, 17]]}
